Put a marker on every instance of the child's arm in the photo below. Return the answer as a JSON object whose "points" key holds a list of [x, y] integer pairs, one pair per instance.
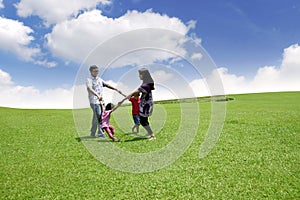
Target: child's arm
{"points": [[130, 95], [101, 104], [117, 106]]}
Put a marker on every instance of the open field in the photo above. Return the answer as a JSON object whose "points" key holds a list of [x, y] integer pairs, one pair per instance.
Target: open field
{"points": [[256, 157]]}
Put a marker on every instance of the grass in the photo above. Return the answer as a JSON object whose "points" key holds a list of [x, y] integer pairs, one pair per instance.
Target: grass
{"points": [[256, 157]]}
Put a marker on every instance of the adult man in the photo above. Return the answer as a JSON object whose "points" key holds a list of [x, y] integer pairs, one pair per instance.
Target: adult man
{"points": [[95, 90]]}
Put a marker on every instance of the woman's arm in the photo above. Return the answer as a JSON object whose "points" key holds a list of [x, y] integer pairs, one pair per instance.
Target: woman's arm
{"points": [[130, 95]]}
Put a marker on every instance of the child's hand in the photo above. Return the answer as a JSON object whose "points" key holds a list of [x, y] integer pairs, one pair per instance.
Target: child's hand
{"points": [[100, 98]]}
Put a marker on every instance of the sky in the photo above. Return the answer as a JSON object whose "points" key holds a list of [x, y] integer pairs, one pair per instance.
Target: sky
{"points": [[192, 48]]}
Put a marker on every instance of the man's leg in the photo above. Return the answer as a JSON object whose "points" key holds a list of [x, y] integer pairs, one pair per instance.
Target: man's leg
{"points": [[94, 121], [98, 111]]}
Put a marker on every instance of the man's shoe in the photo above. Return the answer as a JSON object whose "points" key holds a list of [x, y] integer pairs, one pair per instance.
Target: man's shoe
{"points": [[101, 136]]}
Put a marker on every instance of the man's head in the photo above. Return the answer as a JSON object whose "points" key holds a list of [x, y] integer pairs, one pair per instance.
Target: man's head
{"points": [[94, 70]]}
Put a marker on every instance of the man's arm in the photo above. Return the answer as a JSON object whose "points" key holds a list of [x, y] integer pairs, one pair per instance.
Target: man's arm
{"points": [[94, 93], [112, 88]]}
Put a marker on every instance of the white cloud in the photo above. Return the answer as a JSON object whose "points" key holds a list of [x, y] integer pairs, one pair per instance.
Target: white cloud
{"points": [[191, 24], [81, 35], [17, 96], [55, 11], [46, 63], [284, 78], [200, 88], [1, 4], [196, 56], [231, 82], [5, 79], [161, 76], [16, 38], [267, 79]]}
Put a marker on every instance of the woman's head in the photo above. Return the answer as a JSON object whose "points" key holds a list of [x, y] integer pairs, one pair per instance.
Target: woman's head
{"points": [[145, 76], [109, 106]]}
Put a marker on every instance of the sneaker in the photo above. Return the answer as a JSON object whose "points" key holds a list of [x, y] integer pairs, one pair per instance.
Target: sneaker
{"points": [[92, 135], [116, 140], [101, 136], [152, 137]]}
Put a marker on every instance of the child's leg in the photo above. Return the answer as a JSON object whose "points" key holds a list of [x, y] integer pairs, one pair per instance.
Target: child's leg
{"points": [[108, 131], [136, 119], [137, 128], [112, 129]]}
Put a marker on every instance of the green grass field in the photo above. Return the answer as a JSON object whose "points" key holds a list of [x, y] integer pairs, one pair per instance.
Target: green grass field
{"points": [[256, 156]]}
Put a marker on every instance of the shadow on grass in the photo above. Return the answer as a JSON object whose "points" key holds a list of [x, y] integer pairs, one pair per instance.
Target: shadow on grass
{"points": [[129, 133], [104, 140], [96, 139], [92, 139], [136, 139]]}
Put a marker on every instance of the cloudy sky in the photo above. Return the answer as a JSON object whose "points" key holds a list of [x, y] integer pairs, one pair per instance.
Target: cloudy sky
{"points": [[46, 47]]}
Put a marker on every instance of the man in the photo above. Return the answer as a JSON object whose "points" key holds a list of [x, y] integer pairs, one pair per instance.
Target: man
{"points": [[95, 90]]}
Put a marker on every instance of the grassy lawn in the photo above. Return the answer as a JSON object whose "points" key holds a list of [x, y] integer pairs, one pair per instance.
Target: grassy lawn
{"points": [[256, 157]]}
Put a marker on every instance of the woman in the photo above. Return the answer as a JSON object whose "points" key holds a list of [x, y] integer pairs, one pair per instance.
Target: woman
{"points": [[146, 102]]}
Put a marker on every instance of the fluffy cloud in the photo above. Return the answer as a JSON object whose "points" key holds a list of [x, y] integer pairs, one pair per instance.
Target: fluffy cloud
{"points": [[196, 56], [13, 95], [5, 79], [54, 11], [267, 79], [162, 76], [1, 4], [283, 78], [16, 38], [81, 35]]}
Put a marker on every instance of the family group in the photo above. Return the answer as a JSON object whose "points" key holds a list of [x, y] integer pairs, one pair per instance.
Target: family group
{"points": [[141, 99]]}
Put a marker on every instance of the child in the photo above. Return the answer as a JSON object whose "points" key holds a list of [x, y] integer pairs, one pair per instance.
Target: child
{"points": [[109, 129], [135, 102]]}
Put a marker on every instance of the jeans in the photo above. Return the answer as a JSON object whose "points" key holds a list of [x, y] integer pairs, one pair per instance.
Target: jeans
{"points": [[97, 119]]}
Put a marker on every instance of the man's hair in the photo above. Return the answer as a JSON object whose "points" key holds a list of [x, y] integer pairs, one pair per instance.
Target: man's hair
{"points": [[92, 67]]}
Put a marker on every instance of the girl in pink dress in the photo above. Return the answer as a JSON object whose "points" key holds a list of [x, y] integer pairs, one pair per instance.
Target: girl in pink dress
{"points": [[109, 129]]}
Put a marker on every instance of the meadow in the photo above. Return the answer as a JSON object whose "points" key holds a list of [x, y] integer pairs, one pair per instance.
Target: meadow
{"points": [[44, 155]]}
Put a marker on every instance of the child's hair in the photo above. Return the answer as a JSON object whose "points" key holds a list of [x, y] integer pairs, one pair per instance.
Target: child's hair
{"points": [[109, 106], [147, 77], [136, 94]]}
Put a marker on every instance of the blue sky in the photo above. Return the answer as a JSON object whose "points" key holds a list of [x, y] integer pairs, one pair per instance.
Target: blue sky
{"points": [[254, 44]]}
